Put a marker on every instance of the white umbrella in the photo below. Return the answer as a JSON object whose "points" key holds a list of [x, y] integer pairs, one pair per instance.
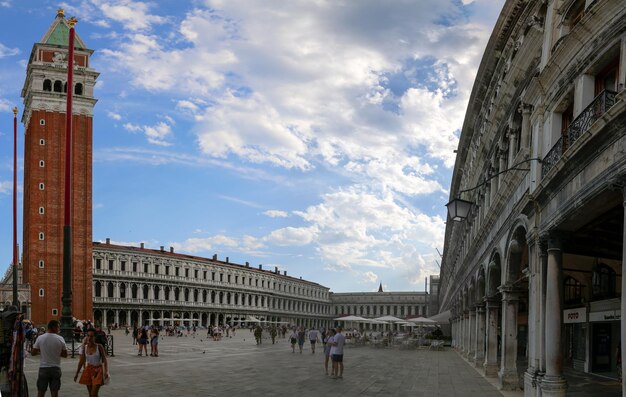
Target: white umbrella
{"points": [[390, 319], [422, 321], [352, 318], [252, 319]]}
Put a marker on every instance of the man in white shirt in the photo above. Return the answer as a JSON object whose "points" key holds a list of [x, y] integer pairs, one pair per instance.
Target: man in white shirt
{"points": [[336, 352], [313, 338], [52, 347]]}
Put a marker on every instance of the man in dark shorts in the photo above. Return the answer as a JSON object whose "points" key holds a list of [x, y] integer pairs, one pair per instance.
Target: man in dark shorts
{"points": [[336, 353], [52, 347]]}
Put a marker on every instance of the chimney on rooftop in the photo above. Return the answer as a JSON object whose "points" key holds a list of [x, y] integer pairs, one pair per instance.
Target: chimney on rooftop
{"points": [[172, 250], [226, 259], [276, 269], [214, 257], [141, 245], [285, 272], [162, 249], [260, 267], [108, 240]]}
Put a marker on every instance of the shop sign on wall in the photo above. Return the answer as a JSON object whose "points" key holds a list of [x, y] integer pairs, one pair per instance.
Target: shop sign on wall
{"points": [[578, 315], [608, 315]]}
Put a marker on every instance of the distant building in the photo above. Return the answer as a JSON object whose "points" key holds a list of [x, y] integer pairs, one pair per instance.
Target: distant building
{"points": [[532, 276]]}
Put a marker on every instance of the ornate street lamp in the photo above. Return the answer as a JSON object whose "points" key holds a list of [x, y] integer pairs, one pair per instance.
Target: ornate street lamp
{"points": [[458, 209]]}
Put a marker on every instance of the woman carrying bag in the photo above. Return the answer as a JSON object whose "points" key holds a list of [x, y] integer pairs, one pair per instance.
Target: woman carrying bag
{"points": [[93, 359]]}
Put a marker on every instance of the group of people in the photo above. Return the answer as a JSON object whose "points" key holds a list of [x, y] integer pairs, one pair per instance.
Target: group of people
{"points": [[142, 336], [333, 342], [51, 347]]}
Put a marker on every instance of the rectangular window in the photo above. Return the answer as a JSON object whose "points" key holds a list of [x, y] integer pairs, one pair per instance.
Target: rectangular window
{"points": [[111, 262], [177, 271], [204, 274], [145, 268], [98, 264], [187, 273], [134, 266], [55, 312], [236, 279], [212, 276], [229, 278], [195, 273], [167, 270], [156, 269], [123, 266]]}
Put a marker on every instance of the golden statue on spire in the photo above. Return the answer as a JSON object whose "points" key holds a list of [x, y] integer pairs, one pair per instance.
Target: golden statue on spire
{"points": [[72, 21], [60, 12], [15, 111]]}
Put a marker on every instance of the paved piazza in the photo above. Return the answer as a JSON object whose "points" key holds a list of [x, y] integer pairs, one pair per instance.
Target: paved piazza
{"points": [[236, 366]]}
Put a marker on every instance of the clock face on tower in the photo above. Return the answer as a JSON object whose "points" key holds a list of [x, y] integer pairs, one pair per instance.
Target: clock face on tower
{"points": [[45, 96]]}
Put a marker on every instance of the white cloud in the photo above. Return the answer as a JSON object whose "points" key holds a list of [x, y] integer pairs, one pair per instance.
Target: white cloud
{"points": [[276, 214], [157, 134], [7, 52], [133, 15], [292, 236], [6, 187], [114, 116], [369, 277], [195, 245]]}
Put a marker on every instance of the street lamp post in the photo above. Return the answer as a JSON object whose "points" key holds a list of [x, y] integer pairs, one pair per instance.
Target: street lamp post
{"points": [[15, 256], [66, 311], [458, 209]]}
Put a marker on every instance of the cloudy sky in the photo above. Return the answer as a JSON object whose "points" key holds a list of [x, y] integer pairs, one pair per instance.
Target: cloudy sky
{"points": [[316, 136]]}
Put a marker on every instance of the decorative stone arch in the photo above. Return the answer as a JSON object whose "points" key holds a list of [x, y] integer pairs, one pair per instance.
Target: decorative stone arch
{"points": [[167, 291], [97, 317], [145, 291], [97, 288], [471, 292], [134, 290], [157, 292], [110, 289], [480, 284], [516, 254], [494, 274]]}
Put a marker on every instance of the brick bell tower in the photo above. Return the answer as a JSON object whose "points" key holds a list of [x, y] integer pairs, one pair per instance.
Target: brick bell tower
{"points": [[45, 96]]}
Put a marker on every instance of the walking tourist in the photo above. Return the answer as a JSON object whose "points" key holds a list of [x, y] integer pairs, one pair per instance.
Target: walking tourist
{"points": [[52, 347], [301, 335], [94, 361], [293, 338], [142, 341], [328, 340], [313, 338], [336, 353], [154, 342]]}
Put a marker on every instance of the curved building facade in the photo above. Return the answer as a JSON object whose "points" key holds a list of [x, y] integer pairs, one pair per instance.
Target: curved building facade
{"points": [[532, 276], [137, 285]]}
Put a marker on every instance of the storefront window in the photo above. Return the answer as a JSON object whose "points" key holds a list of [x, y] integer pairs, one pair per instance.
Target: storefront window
{"points": [[603, 282], [571, 291]]}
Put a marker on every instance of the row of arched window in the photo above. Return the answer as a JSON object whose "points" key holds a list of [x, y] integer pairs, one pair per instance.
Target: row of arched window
{"points": [[59, 86], [382, 310], [184, 294]]}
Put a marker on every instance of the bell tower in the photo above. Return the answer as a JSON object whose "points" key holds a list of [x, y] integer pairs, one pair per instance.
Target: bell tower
{"points": [[45, 95]]}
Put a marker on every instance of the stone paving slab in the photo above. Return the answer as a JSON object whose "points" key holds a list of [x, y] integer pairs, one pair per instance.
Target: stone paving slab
{"points": [[189, 366]]}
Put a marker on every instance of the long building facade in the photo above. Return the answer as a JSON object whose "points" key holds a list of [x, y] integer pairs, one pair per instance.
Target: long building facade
{"points": [[137, 285], [533, 275]]}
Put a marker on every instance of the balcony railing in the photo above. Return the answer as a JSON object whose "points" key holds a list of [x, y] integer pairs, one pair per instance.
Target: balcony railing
{"points": [[600, 105]]}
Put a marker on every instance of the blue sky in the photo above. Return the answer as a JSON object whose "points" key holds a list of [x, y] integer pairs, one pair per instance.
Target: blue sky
{"points": [[313, 136]]}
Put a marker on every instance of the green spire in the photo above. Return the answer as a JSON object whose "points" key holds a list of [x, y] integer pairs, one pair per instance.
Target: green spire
{"points": [[60, 35]]}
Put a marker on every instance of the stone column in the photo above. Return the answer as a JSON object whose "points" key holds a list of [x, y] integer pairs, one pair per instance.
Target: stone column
{"points": [[525, 109], [471, 350], [623, 312], [117, 317], [503, 162], [479, 349], [509, 379], [490, 365], [534, 314], [553, 383], [513, 137]]}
